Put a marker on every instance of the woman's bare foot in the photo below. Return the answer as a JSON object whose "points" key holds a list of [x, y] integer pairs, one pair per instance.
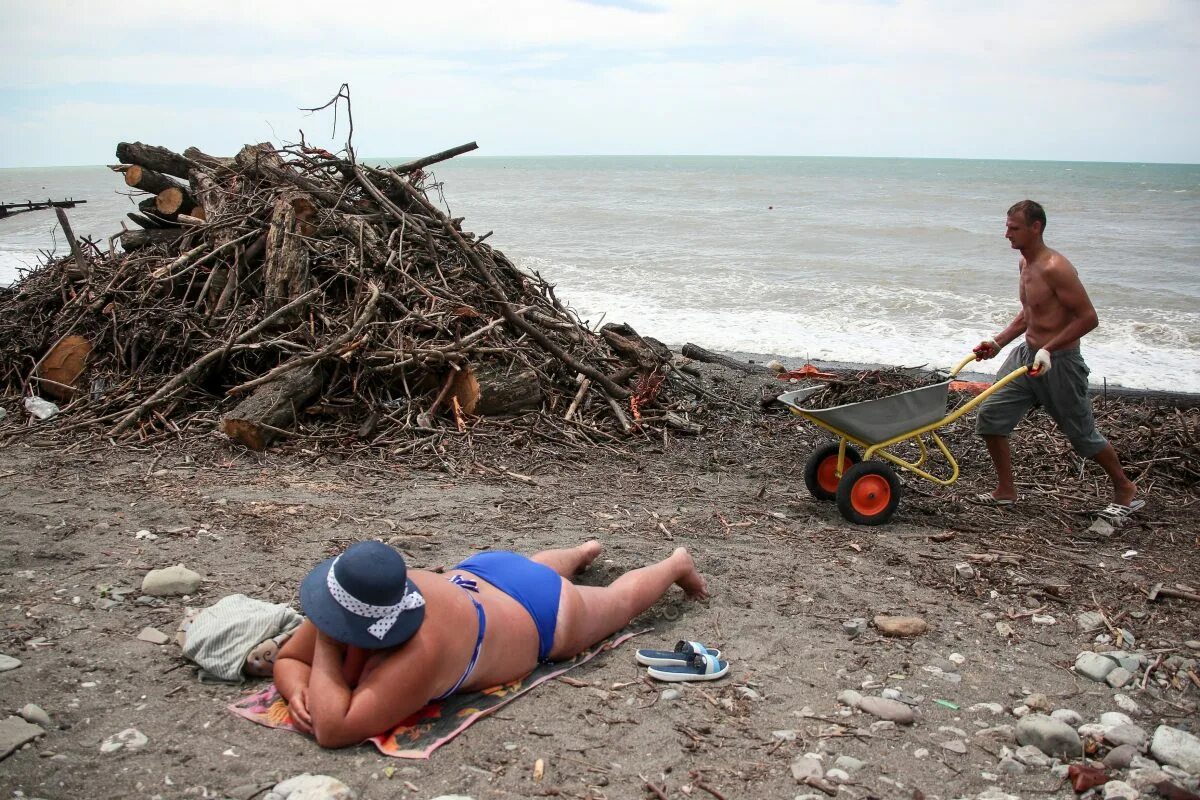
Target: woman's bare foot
{"points": [[690, 580], [589, 550]]}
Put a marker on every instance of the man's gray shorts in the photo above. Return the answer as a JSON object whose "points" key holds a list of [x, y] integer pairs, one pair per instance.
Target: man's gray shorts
{"points": [[1063, 392]]}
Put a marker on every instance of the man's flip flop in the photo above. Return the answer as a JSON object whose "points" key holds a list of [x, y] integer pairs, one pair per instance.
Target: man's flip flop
{"points": [[987, 499], [1115, 512], [682, 653], [701, 667]]}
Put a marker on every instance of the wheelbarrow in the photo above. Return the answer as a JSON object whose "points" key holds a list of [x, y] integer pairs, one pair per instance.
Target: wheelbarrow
{"points": [[867, 492]]}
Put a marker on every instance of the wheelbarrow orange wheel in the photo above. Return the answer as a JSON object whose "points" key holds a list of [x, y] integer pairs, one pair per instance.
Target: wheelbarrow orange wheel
{"points": [[868, 493], [820, 473]]}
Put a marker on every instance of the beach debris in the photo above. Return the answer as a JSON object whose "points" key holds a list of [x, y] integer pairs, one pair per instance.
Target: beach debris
{"points": [[153, 636], [128, 739], [282, 289], [39, 408], [310, 787]]}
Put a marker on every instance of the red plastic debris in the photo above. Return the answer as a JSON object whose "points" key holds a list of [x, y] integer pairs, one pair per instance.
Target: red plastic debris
{"points": [[1084, 777]]}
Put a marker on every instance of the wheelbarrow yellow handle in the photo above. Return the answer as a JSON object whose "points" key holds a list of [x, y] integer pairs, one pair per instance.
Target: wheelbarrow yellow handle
{"points": [[1015, 373]]}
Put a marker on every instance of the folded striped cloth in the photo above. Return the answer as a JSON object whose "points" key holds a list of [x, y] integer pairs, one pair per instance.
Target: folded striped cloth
{"points": [[222, 635]]}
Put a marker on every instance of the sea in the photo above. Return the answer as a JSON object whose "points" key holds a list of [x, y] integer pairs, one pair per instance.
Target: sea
{"points": [[859, 260]]}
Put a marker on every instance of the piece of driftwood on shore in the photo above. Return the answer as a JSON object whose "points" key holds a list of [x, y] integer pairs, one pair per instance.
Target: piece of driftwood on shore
{"points": [[707, 356]]}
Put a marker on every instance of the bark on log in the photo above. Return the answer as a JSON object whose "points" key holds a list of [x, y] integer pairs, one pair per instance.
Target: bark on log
{"points": [[147, 180], [646, 353], [214, 163], [134, 240], [159, 159], [174, 200], [700, 354], [496, 390], [272, 407], [209, 196], [285, 269]]}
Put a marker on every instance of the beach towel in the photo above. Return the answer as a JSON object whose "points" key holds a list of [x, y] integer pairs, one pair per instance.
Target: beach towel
{"points": [[439, 721]]}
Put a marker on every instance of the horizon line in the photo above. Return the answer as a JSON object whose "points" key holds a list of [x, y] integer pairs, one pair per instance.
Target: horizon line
{"points": [[477, 155]]}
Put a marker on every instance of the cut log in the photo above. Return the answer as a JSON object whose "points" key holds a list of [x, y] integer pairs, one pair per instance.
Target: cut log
{"points": [[147, 180], [285, 268], [159, 159], [174, 200], [149, 209], [707, 356], [63, 365], [271, 408], [208, 192], [497, 390], [135, 240]]}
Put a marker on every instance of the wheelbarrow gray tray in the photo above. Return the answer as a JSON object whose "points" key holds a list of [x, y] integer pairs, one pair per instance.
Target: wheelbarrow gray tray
{"points": [[875, 421]]}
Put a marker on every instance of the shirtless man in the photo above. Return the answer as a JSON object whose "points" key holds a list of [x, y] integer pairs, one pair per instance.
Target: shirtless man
{"points": [[380, 642], [1055, 314]]}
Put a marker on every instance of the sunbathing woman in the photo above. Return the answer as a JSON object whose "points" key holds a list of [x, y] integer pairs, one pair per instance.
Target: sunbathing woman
{"points": [[381, 642]]}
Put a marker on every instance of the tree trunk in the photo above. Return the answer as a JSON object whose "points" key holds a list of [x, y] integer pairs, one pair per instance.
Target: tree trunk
{"points": [[271, 406], [646, 353], [285, 270], [174, 200], [497, 390], [134, 240], [159, 159], [700, 354], [214, 163], [148, 180]]}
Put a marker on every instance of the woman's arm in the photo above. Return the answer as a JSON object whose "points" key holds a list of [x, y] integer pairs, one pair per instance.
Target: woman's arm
{"points": [[398, 688], [293, 667]]}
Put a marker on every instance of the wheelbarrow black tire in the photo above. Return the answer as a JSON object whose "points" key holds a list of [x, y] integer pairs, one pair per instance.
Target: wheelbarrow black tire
{"points": [[868, 493], [819, 472]]}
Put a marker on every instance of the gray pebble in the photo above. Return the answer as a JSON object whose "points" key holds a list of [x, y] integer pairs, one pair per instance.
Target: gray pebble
{"points": [[8, 662], [849, 764], [1049, 735], [669, 694], [1067, 715], [1120, 757], [34, 714], [1094, 666]]}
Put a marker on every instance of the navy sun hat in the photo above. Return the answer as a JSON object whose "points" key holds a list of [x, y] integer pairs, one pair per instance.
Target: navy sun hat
{"points": [[364, 597]]}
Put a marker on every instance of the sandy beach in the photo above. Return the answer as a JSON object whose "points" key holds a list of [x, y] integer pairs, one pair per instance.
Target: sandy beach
{"points": [[786, 572]]}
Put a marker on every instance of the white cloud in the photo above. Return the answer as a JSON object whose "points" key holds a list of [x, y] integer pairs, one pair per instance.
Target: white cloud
{"points": [[1097, 80]]}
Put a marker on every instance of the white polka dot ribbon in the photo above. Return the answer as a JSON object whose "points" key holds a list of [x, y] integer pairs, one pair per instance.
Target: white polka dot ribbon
{"points": [[386, 615]]}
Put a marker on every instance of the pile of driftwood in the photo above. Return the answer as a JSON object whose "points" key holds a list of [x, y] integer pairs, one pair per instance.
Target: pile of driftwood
{"points": [[282, 287]]}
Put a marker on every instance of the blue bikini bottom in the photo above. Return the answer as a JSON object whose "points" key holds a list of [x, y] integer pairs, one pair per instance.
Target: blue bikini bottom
{"points": [[535, 586]]}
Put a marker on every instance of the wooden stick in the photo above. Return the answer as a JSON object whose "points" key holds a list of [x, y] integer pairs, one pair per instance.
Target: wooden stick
{"points": [[584, 383], [84, 269], [421, 163]]}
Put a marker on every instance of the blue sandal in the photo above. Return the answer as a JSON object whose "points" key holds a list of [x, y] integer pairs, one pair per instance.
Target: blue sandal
{"points": [[682, 653], [701, 667]]}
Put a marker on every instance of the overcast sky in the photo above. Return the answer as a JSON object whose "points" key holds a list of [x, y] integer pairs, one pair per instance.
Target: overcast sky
{"points": [[1106, 80]]}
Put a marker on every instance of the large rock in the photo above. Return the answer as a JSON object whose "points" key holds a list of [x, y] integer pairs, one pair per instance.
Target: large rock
{"points": [[8, 662], [1094, 666], [15, 732], [1126, 734], [310, 787], [900, 626], [1177, 748], [1051, 736], [174, 580]]}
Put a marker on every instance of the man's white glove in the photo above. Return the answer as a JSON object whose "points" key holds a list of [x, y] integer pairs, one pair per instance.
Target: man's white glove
{"points": [[988, 348], [1041, 362]]}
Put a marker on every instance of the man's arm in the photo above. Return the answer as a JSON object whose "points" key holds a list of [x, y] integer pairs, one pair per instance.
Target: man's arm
{"points": [[1063, 279], [1014, 329], [398, 688]]}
